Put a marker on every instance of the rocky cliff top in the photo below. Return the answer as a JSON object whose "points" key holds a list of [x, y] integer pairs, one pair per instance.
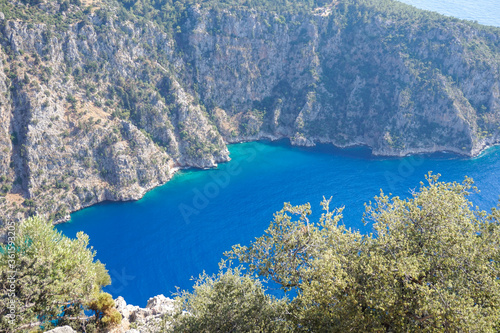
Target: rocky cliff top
{"points": [[145, 320]]}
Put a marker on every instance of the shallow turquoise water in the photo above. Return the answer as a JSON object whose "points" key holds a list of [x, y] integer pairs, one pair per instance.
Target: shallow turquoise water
{"points": [[182, 228], [179, 229]]}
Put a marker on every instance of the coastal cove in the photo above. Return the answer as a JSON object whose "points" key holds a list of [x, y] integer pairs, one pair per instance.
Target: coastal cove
{"points": [[123, 122], [249, 166], [178, 230]]}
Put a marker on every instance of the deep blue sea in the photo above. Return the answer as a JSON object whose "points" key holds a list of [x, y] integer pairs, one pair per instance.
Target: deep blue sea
{"points": [[178, 230]]}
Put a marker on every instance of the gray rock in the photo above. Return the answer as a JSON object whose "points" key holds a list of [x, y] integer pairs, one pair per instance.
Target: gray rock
{"points": [[62, 329], [161, 305], [147, 320]]}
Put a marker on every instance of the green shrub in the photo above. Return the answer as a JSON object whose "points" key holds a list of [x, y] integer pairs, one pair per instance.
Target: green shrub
{"points": [[55, 276], [433, 259], [103, 306], [228, 302]]}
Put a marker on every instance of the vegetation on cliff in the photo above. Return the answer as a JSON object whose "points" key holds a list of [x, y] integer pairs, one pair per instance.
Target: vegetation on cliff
{"points": [[102, 100]]}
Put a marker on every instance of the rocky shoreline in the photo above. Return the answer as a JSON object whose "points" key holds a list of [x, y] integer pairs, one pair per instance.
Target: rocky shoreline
{"points": [[308, 143]]}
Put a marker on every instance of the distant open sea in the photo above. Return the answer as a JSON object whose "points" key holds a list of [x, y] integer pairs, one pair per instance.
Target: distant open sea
{"points": [[178, 230], [486, 12]]}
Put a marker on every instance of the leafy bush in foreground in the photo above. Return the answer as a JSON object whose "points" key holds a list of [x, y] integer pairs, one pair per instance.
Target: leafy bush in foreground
{"points": [[229, 302], [48, 278], [431, 266]]}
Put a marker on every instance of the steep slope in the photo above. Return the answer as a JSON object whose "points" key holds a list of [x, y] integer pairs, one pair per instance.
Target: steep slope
{"points": [[101, 104]]}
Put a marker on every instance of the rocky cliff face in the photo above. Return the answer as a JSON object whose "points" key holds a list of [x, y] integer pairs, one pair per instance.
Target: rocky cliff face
{"points": [[102, 107]]}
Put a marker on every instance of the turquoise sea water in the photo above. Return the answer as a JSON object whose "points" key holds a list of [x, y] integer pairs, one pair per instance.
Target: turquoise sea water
{"points": [[182, 228]]}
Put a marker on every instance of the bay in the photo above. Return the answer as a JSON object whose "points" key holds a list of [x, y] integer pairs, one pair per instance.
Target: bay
{"points": [[178, 230]]}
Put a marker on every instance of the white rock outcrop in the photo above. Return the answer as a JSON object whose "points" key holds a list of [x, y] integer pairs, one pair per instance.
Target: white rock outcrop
{"points": [[62, 329], [148, 319]]}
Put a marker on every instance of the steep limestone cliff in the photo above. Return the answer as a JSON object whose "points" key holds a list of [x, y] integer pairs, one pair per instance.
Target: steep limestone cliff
{"points": [[101, 105]]}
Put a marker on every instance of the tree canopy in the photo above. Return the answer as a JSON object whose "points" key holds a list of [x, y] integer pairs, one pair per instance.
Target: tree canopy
{"points": [[47, 278], [228, 302], [431, 265]]}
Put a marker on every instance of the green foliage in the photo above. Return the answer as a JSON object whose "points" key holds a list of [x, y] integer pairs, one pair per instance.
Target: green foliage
{"points": [[5, 188], [283, 254], [228, 302], [172, 12], [432, 265], [14, 138], [54, 276], [29, 203], [31, 11], [104, 307], [71, 99]]}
